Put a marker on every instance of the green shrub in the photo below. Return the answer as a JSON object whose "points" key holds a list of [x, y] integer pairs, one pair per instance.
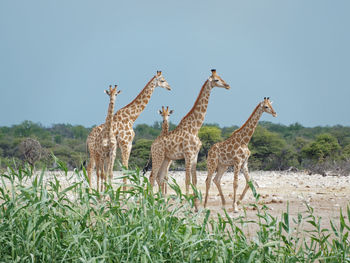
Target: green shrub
{"points": [[45, 222], [324, 147]]}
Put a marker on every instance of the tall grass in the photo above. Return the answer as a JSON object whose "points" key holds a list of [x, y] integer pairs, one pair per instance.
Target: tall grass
{"points": [[41, 221]]}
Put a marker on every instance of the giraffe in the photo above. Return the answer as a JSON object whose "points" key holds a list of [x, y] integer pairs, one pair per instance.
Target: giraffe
{"points": [[165, 113], [183, 142], [123, 121], [105, 144], [234, 152]]}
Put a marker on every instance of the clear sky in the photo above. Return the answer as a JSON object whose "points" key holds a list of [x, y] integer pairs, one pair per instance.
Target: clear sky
{"points": [[57, 57]]}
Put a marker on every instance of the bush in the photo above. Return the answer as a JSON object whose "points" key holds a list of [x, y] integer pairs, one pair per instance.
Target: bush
{"points": [[324, 147], [140, 153], [208, 136], [202, 166], [44, 222], [270, 151]]}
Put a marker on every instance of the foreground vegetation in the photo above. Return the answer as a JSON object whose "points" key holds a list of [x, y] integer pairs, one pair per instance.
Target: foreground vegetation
{"points": [[273, 146], [41, 221]]}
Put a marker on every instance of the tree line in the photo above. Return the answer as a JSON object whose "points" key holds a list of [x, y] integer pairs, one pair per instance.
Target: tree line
{"points": [[273, 146]]}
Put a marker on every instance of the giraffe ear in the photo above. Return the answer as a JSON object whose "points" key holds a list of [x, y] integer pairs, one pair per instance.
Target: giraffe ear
{"points": [[160, 112], [210, 79], [119, 91], [171, 112]]}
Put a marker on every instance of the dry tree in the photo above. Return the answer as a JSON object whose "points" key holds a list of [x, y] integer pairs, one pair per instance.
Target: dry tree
{"points": [[30, 150]]}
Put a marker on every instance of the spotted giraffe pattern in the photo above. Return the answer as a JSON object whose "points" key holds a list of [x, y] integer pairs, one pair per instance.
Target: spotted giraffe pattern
{"points": [[183, 142], [123, 120], [105, 143], [234, 152], [90, 142], [165, 113]]}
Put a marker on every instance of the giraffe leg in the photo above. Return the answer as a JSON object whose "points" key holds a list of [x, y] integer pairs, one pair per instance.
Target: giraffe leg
{"points": [[235, 185], [194, 170], [211, 170], [188, 175], [157, 160], [90, 167], [105, 175], [194, 179], [166, 179], [125, 149], [102, 175], [98, 176], [162, 174], [212, 165], [152, 179], [111, 165], [217, 181], [246, 175], [190, 164]]}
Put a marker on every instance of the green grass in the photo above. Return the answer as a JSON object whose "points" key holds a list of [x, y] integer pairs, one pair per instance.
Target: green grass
{"points": [[45, 222]]}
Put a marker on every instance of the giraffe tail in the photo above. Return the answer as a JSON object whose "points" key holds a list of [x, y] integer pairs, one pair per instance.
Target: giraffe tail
{"points": [[148, 165]]}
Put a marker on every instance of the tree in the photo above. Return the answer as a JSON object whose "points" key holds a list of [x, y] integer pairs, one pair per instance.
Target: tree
{"points": [[79, 132], [58, 139], [324, 147], [140, 153], [346, 152], [227, 131], [146, 132], [208, 136], [299, 144], [270, 151], [30, 150], [27, 128]]}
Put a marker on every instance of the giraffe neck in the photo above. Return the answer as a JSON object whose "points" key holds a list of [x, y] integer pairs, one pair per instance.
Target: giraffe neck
{"points": [[165, 128], [109, 118], [134, 108], [194, 119], [249, 126]]}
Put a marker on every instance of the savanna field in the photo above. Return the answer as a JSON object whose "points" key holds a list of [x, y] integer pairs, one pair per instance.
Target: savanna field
{"points": [[53, 216], [298, 214], [175, 131]]}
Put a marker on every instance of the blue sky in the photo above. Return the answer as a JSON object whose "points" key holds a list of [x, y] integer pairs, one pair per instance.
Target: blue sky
{"points": [[57, 57]]}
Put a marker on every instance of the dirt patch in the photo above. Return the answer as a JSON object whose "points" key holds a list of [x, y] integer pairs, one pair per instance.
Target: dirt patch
{"points": [[325, 194]]}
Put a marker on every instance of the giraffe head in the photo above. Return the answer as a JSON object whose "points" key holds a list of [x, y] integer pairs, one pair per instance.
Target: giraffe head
{"points": [[160, 81], [112, 91], [216, 81], [267, 107], [165, 112]]}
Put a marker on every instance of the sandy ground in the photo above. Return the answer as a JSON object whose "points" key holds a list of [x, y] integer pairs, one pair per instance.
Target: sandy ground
{"points": [[327, 195]]}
